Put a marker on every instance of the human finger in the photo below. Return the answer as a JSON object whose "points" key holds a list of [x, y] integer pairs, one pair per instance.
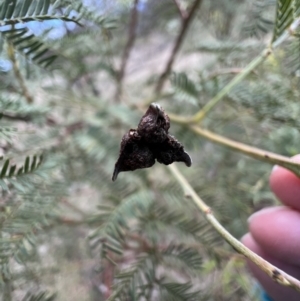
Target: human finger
{"points": [[277, 231], [286, 185], [276, 291]]}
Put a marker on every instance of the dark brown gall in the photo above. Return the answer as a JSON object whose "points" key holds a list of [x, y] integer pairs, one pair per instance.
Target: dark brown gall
{"points": [[151, 140]]}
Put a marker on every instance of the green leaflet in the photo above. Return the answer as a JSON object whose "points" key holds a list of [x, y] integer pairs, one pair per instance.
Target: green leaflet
{"points": [[286, 12]]}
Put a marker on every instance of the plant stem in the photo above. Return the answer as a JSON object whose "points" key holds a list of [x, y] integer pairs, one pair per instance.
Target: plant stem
{"points": [[199, 116], [250, 151], [276, 274], [128, 47], [237, 79], [184, 27]]}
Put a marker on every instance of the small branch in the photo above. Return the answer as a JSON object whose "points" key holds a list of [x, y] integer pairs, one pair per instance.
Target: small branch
{"points": [[184, 27], [214, 74], [215, 100], [236, 80], [198, 117], [182, 12], [276, 274], [250, 151], [181, 119], [68, 222], [12, 57], [130, 42]]}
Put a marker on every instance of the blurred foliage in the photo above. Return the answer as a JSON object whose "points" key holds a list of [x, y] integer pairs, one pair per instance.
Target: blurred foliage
{"points": [[67, 232]]}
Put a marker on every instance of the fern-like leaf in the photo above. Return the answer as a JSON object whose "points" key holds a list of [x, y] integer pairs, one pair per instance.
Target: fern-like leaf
{"points": [[39, 296], [184, 87], [22, 11], [14, 12], [6, 133], [293, 56], [114, 223], [14, 108], [130, 277], [285, 13], [30, 46], [178, 292], [106, 23], [296, 8], [9, 173], [259, 22], [188, 256]]}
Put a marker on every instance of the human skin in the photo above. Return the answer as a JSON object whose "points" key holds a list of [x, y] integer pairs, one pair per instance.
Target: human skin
{"points": [[274, 234]]}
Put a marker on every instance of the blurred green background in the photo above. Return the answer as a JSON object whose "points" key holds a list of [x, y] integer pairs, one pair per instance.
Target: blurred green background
{"points": [[75, 76]]}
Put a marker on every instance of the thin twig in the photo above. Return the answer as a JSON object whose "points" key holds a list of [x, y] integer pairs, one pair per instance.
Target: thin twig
{"points": [[211, 103], [198, 117], [250, 151], [237, 79], [182, 12], [38, 18], [68, 221], [12, 57], [275, 273], [256, 153], [217, 73], [184, 27], [130, 42]]}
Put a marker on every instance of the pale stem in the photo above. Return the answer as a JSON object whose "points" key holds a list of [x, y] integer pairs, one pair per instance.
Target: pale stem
{"points": [[275, 273], [250, 151], [199, 116]]}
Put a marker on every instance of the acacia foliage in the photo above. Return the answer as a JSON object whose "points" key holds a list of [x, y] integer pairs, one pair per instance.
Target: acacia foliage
{"points": [[62, 121]]}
